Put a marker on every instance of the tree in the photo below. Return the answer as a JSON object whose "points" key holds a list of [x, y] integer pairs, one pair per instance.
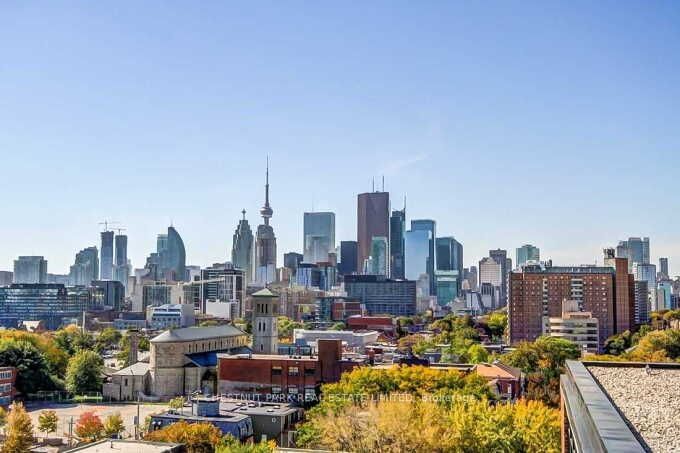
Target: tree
{"points": [[89, 427], [72, 339], [229, 444], [197, 437], [176, 403], [19, 432], [3, 417], [338, 326], [109, 338], [84, 373], [33, 371], [477, 354], [113, 426], [47, 422], [497, 323]]}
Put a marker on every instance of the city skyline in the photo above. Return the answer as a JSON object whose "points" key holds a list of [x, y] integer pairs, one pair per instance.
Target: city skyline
{"points": [[123, 128]]}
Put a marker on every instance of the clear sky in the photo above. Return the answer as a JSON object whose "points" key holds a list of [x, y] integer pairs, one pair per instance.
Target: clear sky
{"points": [[507, 122]]}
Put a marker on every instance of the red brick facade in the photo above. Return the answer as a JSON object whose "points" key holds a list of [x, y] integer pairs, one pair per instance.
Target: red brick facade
{"points": [[8, 378]]}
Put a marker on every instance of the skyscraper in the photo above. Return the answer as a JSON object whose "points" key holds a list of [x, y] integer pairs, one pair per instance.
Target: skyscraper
{"points": [[663, 268], [625, 291], [348, 258], [30, 269], [647, 273], [635, 249], [121, 269], [527, 252], [373, 220], [379, 256], [85, 269], [106, 260], [491, 273], [174, 258], [450, 257], [501, 257], [242, 248], [416, 253], [265, 242], [319, 236], [431, 226], [397, 230]]}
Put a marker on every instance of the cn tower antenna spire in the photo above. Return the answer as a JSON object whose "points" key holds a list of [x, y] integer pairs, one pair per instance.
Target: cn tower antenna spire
{"points": [[266, 210]]}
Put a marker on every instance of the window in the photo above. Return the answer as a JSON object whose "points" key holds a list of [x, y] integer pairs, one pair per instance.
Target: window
{"points": [[292, 390], [276, 371], [276, 389], [293, 371], [310, 371]]}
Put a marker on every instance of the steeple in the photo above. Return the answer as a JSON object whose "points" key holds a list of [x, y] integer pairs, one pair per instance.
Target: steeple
{"points": [[244, 214], [266, 211]]}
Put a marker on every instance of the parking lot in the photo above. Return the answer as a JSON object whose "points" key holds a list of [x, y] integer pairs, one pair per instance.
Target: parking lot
{"points": [[68, 413]]}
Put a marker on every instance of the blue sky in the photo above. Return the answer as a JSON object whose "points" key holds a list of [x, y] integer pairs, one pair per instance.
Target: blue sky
{"points": [[507, 122]]}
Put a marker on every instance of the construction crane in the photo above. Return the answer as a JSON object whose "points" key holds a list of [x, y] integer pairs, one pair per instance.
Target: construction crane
{"points": [[106, 224], [119, 230]]}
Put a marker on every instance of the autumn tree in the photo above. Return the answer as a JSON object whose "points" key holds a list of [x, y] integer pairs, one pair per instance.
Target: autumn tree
{"points": [[197, 437], [19, 431], [47, 422], [3, 418], [113, 425], [229, 444], [176, 403], [89, 427], [84, 372]]}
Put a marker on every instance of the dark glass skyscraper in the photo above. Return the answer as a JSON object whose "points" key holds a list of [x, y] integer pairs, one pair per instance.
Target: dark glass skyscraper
{"points": [[431, 226], [373, 220], [106, 260], [348, 258], [450, 256], [397, 230], [174, 258], [121, 270]]}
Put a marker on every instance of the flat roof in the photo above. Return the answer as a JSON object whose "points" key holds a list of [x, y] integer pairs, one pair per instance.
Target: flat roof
{"points": [[296, 358], [647, 398], [128, 446], [256, 408]]}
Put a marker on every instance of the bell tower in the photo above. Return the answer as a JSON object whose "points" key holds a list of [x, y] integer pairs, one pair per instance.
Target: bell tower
{"points": [[265, 316]]}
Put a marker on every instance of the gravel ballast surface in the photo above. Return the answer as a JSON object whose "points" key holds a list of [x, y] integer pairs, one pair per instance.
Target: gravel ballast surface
{"points": [[650, 402]]}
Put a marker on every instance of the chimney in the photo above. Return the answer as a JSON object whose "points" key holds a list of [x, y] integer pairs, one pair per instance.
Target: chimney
{"points": [[134, 347]]}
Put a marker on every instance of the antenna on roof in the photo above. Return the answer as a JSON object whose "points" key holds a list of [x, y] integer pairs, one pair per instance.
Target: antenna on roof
{"points": [[373, 184]]}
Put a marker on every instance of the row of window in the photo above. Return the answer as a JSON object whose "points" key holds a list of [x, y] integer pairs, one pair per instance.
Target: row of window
{"points": [[293, 371], [4, 375]]}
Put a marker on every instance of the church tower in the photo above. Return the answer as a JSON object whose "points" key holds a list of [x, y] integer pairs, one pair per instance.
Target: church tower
{"points": [[265, 316]]}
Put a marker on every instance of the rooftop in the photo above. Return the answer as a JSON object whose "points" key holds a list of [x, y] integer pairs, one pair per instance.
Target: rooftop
{"points": [[267, 357], [264, 292], [128, 446], [498, 371], [256, 408], [197, 333], [137, 369], [648, 400]]}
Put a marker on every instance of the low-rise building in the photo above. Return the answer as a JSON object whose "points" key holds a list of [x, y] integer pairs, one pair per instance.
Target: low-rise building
{"points": [[129, 446], [8, 379], [506, 382], [384, 324], [283, 378], [171, 316], [576, 326], [129, 384], [352, 339]]}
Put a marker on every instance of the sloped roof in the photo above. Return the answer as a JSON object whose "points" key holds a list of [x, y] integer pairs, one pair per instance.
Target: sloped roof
{"points": [[137, 369], [497, 371], [265, 292], [197, 333]]}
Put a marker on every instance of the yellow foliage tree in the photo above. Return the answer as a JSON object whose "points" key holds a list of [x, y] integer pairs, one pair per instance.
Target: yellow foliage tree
{"points": [[19, 431]]}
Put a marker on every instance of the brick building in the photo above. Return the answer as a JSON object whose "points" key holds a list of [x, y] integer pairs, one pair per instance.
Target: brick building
{"points": [[296, 377], [537, 292], [8, 379]]}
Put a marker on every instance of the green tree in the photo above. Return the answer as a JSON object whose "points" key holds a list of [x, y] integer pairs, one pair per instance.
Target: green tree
{"points": [[72, 339], [338, 326], [19, 431], [109, 338], [47, 422], [84, 373], [113, 426], [176, 403], [33, 371], [229, 444], [197, 437], [477, 354], [497, 323]]}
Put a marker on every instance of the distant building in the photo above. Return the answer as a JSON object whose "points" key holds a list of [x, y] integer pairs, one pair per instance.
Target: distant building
{"points": [[171, 316], [450, 257], [379, 256], [222, 289], [54, 304], [664, 290], [397, 244], [348, 258], [30, 269], [381, 295], [319, 236], [242, 248], [108, 293], [351, 339], [635, 249], [470, 277], [6, 278], [663, 268], [431, 227], [291, 261], [85, 269], [121, 267], [336, 308], [265, 244], [642, 305], [129, 446], [446, 284], [501, 257], [647, 273], [106, 260], [373, 220], [577, 326], [527, 253], [537, 292], [417, 250], [491, 273]]}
